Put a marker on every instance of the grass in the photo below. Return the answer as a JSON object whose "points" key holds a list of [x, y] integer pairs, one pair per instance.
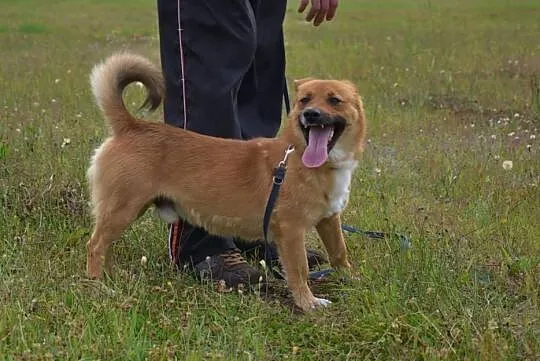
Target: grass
{"points": [[451, 92]]}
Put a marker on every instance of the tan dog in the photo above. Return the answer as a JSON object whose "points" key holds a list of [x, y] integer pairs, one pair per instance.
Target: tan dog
{"points": [[223, 185]]}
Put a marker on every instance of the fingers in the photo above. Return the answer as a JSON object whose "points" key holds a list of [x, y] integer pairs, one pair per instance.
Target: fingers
{"points": [[319, 18], [303, 5], [315, 8], [319, 11], [332, 10]]}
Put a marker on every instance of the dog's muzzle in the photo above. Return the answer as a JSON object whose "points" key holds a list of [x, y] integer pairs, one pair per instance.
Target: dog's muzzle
{"points": [[321, 132]]}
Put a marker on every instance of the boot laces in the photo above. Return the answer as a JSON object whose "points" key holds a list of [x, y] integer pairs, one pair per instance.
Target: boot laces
{"points": [[232, 257]]}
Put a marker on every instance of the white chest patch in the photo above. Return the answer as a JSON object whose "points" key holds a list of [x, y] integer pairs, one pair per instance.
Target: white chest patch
{"points": [[338, 197]]}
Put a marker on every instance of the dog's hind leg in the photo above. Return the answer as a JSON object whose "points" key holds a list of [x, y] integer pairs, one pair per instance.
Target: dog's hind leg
{"points": [[329, 230], [111, 221]]}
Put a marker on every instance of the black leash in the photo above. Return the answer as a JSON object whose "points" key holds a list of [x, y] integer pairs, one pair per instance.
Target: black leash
{"points": [[404, 242], [286, 98], [277, 180]]}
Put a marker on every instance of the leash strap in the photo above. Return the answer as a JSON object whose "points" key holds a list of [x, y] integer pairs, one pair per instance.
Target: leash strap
{"points": [[286, 98], [404, 242], [277, 181], [278, 177]]}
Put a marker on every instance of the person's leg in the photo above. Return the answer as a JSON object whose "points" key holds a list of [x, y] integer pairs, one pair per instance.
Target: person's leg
{"points": [[260, 98], [218, 41]]}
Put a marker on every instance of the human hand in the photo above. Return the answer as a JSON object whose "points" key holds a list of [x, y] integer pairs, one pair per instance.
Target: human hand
{"points": [[320, 9]]}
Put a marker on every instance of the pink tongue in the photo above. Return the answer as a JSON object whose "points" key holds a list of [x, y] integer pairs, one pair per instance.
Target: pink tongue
{"points": [[316, 152]]}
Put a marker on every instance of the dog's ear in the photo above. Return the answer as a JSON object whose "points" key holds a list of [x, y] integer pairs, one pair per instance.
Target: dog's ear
{"points": [[299, 82], [351, 85]]}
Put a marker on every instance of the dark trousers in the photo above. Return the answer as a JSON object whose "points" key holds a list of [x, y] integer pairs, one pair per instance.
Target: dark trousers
{"points": [[234, 63]]}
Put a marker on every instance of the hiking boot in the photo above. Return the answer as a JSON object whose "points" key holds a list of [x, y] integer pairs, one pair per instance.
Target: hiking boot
{"points": [[255, 251], [230, 267]]}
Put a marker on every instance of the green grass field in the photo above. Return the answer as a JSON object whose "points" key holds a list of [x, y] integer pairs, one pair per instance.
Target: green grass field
{"points": [[452, 91]]}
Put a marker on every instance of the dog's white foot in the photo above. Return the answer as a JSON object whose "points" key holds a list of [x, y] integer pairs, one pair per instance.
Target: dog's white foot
{"points": [[321, 302]]}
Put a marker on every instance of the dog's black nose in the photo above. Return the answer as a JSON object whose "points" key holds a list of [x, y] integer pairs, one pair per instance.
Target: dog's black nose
{"points": [[311, 115]]}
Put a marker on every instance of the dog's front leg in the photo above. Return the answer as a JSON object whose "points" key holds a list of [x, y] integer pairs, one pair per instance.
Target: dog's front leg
{"points": [[292, 252], [329, 230]]}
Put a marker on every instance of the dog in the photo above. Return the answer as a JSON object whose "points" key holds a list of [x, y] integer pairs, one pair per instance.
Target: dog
{"points": [[223, 185]]}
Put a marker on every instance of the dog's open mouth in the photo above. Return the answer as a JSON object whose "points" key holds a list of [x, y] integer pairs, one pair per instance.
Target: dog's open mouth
{"points": [[320, 137]]}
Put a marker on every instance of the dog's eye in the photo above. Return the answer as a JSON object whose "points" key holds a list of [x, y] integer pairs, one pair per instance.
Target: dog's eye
{"points": [[334, 101], [305, 100]]}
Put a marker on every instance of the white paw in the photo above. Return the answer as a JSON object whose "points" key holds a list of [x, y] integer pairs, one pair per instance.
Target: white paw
{"points": [[321, 302]]}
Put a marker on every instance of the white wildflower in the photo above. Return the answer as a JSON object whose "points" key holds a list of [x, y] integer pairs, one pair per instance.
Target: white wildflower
{"points": [[508, 164], [144, 261], [66, 142]]}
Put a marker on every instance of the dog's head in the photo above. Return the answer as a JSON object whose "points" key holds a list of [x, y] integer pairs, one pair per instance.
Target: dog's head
{"points": [[327, 120]]}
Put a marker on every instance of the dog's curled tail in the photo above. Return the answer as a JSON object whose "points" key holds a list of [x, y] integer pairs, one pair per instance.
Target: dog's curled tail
{"points": [[110, 78]]}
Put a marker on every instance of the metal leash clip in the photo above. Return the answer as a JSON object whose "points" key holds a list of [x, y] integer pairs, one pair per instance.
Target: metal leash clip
{"points": [[279, 172], [289, 150]]}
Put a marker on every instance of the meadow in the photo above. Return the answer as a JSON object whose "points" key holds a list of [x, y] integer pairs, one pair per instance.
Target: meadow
{"points": [[452, 96]]}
